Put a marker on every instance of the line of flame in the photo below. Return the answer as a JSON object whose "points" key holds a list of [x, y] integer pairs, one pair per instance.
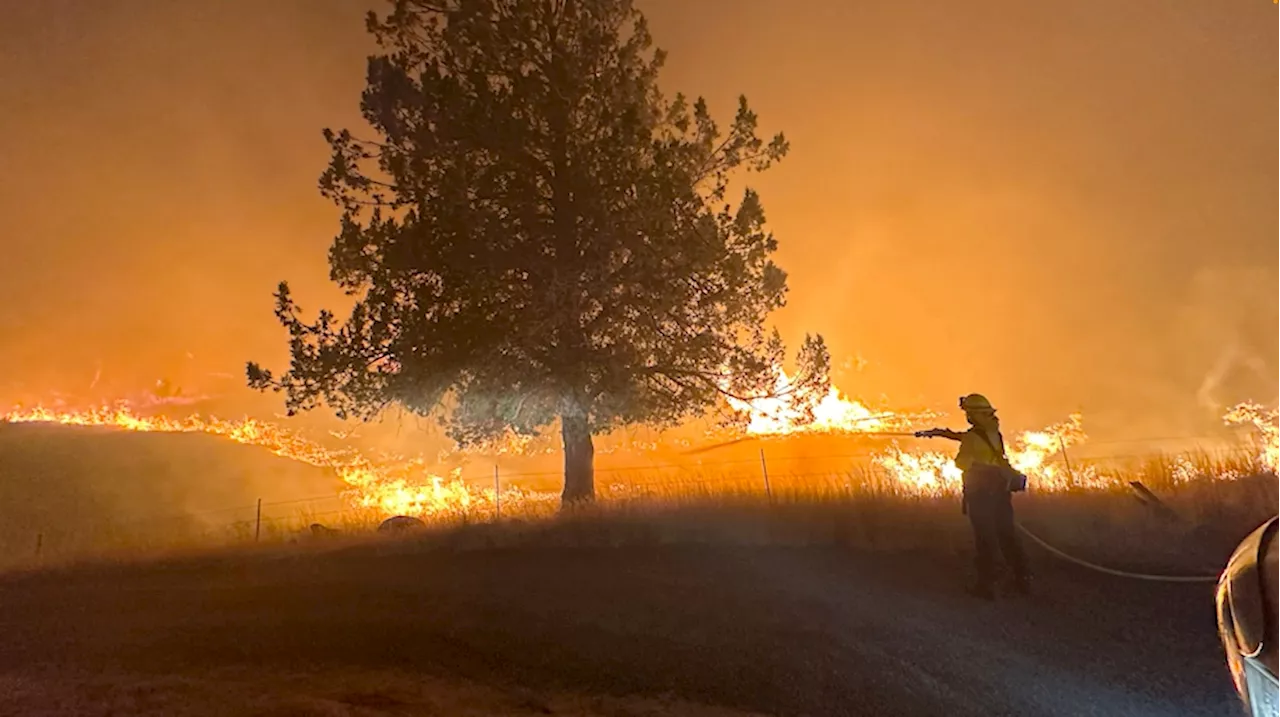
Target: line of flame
{"points": [[407, 487], [785, 412], [391, 488], [1035, 453]]}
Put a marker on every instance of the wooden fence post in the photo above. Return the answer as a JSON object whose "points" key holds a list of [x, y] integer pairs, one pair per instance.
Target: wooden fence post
{"points": [[1070, 473], [764, 468]]}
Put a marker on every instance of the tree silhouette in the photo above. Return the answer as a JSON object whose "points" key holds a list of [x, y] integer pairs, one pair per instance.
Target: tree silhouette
{"points": [[537, 234]]}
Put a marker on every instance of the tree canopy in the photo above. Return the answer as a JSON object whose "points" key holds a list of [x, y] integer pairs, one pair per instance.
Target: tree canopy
{"points": [[533, 233]]}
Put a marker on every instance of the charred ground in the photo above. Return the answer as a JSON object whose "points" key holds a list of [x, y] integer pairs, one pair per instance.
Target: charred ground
{"points": [[407, 627]]}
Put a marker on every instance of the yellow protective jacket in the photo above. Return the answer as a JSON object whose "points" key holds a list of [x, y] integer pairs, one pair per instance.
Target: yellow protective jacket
{"points": [[975, 451]]}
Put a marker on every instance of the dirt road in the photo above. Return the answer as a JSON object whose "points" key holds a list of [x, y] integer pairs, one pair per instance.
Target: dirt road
{"points": [[771, 630]]}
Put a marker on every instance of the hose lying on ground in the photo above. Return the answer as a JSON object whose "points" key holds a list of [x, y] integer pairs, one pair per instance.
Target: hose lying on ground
{"points": [[1113, 571]]}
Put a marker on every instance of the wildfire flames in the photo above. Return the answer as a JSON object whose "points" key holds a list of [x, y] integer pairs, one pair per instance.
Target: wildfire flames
{"points": [[1042, 453], [1267, 424], [1039, 454], [927, 472], [393, 486], [833, 413]]}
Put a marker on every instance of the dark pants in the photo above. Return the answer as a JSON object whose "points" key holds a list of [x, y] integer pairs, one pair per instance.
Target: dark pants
{"points": [[991, 515]]}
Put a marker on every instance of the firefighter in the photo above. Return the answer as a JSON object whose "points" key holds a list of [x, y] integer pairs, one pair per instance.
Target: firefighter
{"points": [[987, 494]]}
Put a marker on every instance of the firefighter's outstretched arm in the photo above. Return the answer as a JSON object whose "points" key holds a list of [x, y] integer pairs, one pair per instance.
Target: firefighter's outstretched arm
{"points": [[940, 433]]}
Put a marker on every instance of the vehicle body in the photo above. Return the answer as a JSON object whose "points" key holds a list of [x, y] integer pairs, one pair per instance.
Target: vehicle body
{"points": [[1247, 619]]}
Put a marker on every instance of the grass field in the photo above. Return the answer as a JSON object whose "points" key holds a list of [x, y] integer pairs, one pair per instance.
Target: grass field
{"points": [[836, 592], [81, 493]]}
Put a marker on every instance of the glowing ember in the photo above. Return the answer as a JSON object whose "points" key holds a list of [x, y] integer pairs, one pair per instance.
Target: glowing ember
{"points": [[1183, 470]]}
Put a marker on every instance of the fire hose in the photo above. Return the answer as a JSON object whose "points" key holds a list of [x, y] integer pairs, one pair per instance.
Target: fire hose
{"points": [[1112, 571], [860, 434], [1034, 538]]}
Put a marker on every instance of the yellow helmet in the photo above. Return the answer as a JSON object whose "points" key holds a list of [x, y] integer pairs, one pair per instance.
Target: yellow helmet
{"points": [[975, 402]]}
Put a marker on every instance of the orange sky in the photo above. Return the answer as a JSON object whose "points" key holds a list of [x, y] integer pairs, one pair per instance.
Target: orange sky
{"points": [[1069, 206]]}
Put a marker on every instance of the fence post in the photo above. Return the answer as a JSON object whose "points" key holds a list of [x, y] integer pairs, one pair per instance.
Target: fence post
{"points": [[1149, 499], [257, 525], [1070, 473], [497, 495], [764, 468]]}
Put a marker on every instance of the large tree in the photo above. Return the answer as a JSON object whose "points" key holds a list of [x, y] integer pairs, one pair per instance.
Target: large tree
{"points": [[533, 233]]}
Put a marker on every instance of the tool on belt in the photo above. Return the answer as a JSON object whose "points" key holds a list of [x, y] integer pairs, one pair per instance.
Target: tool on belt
{"points": [[1001, 473]]}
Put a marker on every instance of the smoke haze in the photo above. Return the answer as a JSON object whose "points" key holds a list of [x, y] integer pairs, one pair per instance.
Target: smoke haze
{"points": [[1067, 206]]}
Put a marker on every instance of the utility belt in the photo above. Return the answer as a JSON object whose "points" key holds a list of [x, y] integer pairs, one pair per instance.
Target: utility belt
{"points": [[988, 479], [999, 477]]}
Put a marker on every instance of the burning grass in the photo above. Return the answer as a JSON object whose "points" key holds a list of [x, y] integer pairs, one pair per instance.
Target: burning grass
{"points": [[895, 496], [393, 485], [1191, 529]]}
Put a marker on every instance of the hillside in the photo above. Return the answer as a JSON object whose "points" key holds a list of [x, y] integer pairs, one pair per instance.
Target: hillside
{"points": [[80, 488]]}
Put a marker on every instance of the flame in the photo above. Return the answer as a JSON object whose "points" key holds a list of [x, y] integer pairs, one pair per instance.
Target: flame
{"points": [[1040, 454], [398, 486], [1035, 453], [1266, 422], [393, 487], [925, 472], [784, 413]]}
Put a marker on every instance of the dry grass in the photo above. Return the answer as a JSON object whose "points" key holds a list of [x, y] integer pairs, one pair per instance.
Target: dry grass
{"points": [[1199, 518]]}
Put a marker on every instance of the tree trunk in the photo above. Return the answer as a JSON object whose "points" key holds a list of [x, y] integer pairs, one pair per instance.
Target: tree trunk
{"points": [[579, 461]]}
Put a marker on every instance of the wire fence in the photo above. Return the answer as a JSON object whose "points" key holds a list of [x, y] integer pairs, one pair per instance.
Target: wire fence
{"points": [[498, 494]]}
